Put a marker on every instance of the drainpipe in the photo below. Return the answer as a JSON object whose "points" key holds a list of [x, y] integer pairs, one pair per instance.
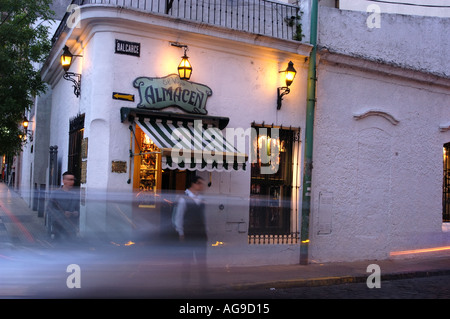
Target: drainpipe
{"points": [[309, 128]]}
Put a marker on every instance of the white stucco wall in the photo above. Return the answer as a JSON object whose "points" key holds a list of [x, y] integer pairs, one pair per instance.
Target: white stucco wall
{"points": [[411, 7], [241, 70], [64, 107], [32, 164], [414, 42], [385, 177], [244, 89]]}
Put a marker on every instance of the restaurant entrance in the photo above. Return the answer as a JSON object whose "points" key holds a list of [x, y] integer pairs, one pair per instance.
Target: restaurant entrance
{"points": [[175, 180], [156, 191], [166, 151]]}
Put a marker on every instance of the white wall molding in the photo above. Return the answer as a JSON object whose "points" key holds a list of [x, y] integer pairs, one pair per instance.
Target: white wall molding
{"points": [[444, 127], [376, 112]]}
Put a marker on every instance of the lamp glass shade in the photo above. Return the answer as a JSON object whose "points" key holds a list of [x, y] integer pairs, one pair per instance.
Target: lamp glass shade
{"points": [[290, 73], [66, 59], [25, 123], [185, 68]]}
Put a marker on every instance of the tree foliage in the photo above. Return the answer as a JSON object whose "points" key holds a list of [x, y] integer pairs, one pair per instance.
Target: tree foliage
{"points": [[24, 44]]}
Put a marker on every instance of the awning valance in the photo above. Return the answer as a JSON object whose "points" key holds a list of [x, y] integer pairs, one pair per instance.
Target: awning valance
{"points": [[190, 145]]}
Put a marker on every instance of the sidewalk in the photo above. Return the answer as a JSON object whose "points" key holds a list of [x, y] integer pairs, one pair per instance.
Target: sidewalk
{"points": [[289, 276], [20, 226]]}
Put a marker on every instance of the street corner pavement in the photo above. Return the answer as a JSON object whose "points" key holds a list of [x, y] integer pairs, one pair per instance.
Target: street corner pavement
{"points": [[326, 274], [20, 227], [19, 224]]}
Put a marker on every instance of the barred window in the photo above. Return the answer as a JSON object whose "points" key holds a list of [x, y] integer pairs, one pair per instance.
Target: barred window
{"points": [[76, 130], [274, 186]]}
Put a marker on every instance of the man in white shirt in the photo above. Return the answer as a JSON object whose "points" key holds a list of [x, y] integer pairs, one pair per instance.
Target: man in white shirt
{"points": [[191, 227], [193, 192]]}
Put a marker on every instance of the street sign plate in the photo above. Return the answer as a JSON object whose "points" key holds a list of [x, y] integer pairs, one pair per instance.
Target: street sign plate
{"points": [[123, 96]]}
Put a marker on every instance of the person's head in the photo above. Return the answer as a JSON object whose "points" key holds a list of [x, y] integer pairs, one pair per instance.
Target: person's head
{"points": [[68, 180], [197, 184]]}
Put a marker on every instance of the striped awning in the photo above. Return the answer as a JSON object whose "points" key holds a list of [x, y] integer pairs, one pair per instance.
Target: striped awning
{"points": [[190, 145]]}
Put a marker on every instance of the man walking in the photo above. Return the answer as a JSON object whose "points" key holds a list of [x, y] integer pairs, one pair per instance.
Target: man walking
{"points": [[191, 227]]}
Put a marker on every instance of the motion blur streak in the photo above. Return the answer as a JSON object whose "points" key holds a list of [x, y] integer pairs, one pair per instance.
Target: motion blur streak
{"points": [[419, 251], [6, 257]]}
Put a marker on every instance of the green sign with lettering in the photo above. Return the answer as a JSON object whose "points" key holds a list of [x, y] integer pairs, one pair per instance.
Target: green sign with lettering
{"points": [[159, 93]]}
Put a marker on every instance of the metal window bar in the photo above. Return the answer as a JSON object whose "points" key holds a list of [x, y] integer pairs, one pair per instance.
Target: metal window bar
{"points": [[268, 239], [53, 166], [273, 214], [76, 129]]}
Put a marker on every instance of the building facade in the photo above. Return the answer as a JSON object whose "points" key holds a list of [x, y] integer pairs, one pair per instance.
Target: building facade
{"points": [[116, 135], [381, 125], [381, 134]]}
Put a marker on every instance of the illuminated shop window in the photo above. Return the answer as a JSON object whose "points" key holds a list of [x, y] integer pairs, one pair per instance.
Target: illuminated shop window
{"points": [[273, 194]]}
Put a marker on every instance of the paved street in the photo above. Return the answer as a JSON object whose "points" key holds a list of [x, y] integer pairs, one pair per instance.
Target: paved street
{"points": [[434, 287], [32, 266]]}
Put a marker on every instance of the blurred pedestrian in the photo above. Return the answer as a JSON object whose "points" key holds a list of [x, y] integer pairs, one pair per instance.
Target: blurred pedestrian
{"points": [[12, 176], [63, 209], [191, 227]]}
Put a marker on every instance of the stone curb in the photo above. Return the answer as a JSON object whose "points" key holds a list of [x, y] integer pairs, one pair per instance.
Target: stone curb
{"points": [[330, 281]]}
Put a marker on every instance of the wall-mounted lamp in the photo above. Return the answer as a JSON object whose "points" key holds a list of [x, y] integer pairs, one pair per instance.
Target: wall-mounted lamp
{"points": [[25, 123], [289, 74], [75, 78], [185, 67]]}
